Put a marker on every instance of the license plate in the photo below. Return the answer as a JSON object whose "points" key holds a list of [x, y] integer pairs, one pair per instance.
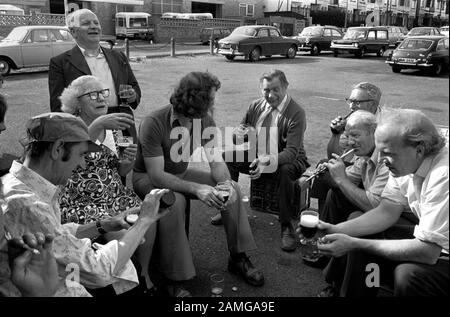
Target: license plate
{"points": [[407, 60]]}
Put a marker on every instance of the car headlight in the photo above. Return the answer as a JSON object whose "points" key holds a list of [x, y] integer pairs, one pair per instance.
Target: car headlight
{"points": [[307, 40], [332, 43], [355, 44]]}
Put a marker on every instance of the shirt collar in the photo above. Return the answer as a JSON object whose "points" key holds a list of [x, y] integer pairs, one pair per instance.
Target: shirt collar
{"points": [[280, 107], [100, 52], [40, 186]]}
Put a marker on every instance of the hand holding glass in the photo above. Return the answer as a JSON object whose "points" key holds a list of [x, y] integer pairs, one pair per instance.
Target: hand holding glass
{"points": [[223, 189], [309, 220], [122, 143], [125, 92]]}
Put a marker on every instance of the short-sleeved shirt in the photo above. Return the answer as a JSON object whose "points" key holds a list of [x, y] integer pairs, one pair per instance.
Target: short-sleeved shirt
{"points": [[426, 193], [161, 134], [372, 174]]}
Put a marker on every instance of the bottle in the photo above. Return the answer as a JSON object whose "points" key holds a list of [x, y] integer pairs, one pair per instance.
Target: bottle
{"points": [[167, 200]]}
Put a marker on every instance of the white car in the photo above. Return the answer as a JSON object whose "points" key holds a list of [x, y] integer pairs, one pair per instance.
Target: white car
{"points": [[33, 46]]}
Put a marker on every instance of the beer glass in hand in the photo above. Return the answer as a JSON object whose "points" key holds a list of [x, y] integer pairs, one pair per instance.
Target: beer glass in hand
{"points": [[309, 221], [125, 92], [122, 143], [223, 189]]}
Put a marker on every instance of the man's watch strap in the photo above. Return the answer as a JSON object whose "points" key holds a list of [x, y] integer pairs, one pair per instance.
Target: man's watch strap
{"points": [[100, 229]]}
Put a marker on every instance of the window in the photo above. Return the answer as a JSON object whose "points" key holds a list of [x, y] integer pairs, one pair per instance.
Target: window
{"points": [[274, 33], [383, 35], [327, 32], [121, 22], [335, 33], [39, 36], [246, 10], [263, 33], [371, 35], [401, 2], [161, 6]]}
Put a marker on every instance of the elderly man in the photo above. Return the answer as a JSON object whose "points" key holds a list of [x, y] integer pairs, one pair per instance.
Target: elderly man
{"points": [[167, 139], [364, 96], [417, 158], [278, 113], [359, 186], [58, 144], [89, 58]]}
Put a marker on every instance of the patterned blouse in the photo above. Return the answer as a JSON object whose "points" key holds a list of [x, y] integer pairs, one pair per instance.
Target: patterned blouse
{"points": [[97, 191]]}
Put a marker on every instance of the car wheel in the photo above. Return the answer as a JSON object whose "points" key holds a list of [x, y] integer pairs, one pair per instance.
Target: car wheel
{"points": [[230, 57], [5, 68], [292, 52], [315, 50], [255, 54], [437, 69], [380, 52], [361, 52], [335, 53], [396, 69]]}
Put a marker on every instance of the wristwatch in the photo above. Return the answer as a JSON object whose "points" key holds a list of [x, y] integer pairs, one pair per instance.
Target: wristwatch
{"points": [[100, 229]]}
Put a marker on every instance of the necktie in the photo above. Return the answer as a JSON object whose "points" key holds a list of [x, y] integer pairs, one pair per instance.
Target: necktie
{"points": [[265, 128]]}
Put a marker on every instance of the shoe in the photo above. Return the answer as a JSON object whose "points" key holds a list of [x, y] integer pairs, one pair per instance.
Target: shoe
{"points": [[329, 291], [216, 220], [243, 267], [288, 241], [176, 290]]}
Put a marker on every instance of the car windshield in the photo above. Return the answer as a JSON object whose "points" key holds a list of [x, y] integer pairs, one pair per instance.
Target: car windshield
{"points": [[311, 31], [354, 34], [244, 31], [416, 44], [419, 32], [16, 35]]}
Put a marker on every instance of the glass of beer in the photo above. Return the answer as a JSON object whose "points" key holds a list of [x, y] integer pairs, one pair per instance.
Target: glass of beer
{"points": [[124, 93], [223, 189], [122, 143], [309, 221]]}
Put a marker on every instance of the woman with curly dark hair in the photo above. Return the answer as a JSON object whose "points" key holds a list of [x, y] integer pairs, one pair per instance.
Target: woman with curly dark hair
{"points": [[168, 137]]}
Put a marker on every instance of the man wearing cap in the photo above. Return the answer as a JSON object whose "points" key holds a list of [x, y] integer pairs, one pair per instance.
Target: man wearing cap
{"points": [[89, 58], [57, 145]]}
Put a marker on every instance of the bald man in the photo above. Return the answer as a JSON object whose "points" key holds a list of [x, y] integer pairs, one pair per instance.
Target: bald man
{"points": [[417, 158], [89, 58]]}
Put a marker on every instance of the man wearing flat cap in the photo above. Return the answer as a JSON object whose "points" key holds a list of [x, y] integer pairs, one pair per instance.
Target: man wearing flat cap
{"points": [[57, 144]]}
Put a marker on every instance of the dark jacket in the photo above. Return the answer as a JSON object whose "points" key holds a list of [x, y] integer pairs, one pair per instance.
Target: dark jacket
{"points": [[291, 130], [71, 64]]}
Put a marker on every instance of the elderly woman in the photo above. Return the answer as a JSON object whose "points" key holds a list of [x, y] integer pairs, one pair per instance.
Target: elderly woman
{"points": [[96, 191]]}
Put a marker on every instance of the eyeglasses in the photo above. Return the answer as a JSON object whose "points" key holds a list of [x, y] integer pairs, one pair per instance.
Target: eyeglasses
{"points": [[356, 102], [95, 94]]}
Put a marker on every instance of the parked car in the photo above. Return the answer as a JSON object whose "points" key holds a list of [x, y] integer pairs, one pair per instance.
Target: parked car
{"points": [[421, 52], [444, 30], [362, 40], [216, 32], [396, 35], [423, 30], [318, 38], [33, 46], [254, 41]]}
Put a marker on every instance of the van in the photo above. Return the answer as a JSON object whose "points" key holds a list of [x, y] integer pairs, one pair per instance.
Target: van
{"points": [[134, 25]]}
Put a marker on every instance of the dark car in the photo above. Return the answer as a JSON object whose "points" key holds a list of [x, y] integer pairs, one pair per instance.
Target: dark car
{"points": [[422, 30], [421, 52], [396, 35], [362, 40], [254, 41], [318, 38], [216, 32]]}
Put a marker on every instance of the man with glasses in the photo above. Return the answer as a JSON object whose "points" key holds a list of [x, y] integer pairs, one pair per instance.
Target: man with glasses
{"points": [[89, 58], [364, 96]]}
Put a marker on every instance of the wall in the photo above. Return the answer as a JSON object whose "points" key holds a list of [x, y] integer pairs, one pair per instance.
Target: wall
{"points": [[8, 22]]}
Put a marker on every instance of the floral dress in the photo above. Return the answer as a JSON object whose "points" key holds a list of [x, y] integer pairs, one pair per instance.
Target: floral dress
{"points": [[96, 191]]}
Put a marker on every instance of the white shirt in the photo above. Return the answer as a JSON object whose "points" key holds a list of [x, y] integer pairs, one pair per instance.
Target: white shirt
{"points": [[31, 205], [99, 68], [426, 193], [275, 113]]}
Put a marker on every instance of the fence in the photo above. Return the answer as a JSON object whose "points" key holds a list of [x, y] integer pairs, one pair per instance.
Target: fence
{"points": [[188, 30], [8, 22]]}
